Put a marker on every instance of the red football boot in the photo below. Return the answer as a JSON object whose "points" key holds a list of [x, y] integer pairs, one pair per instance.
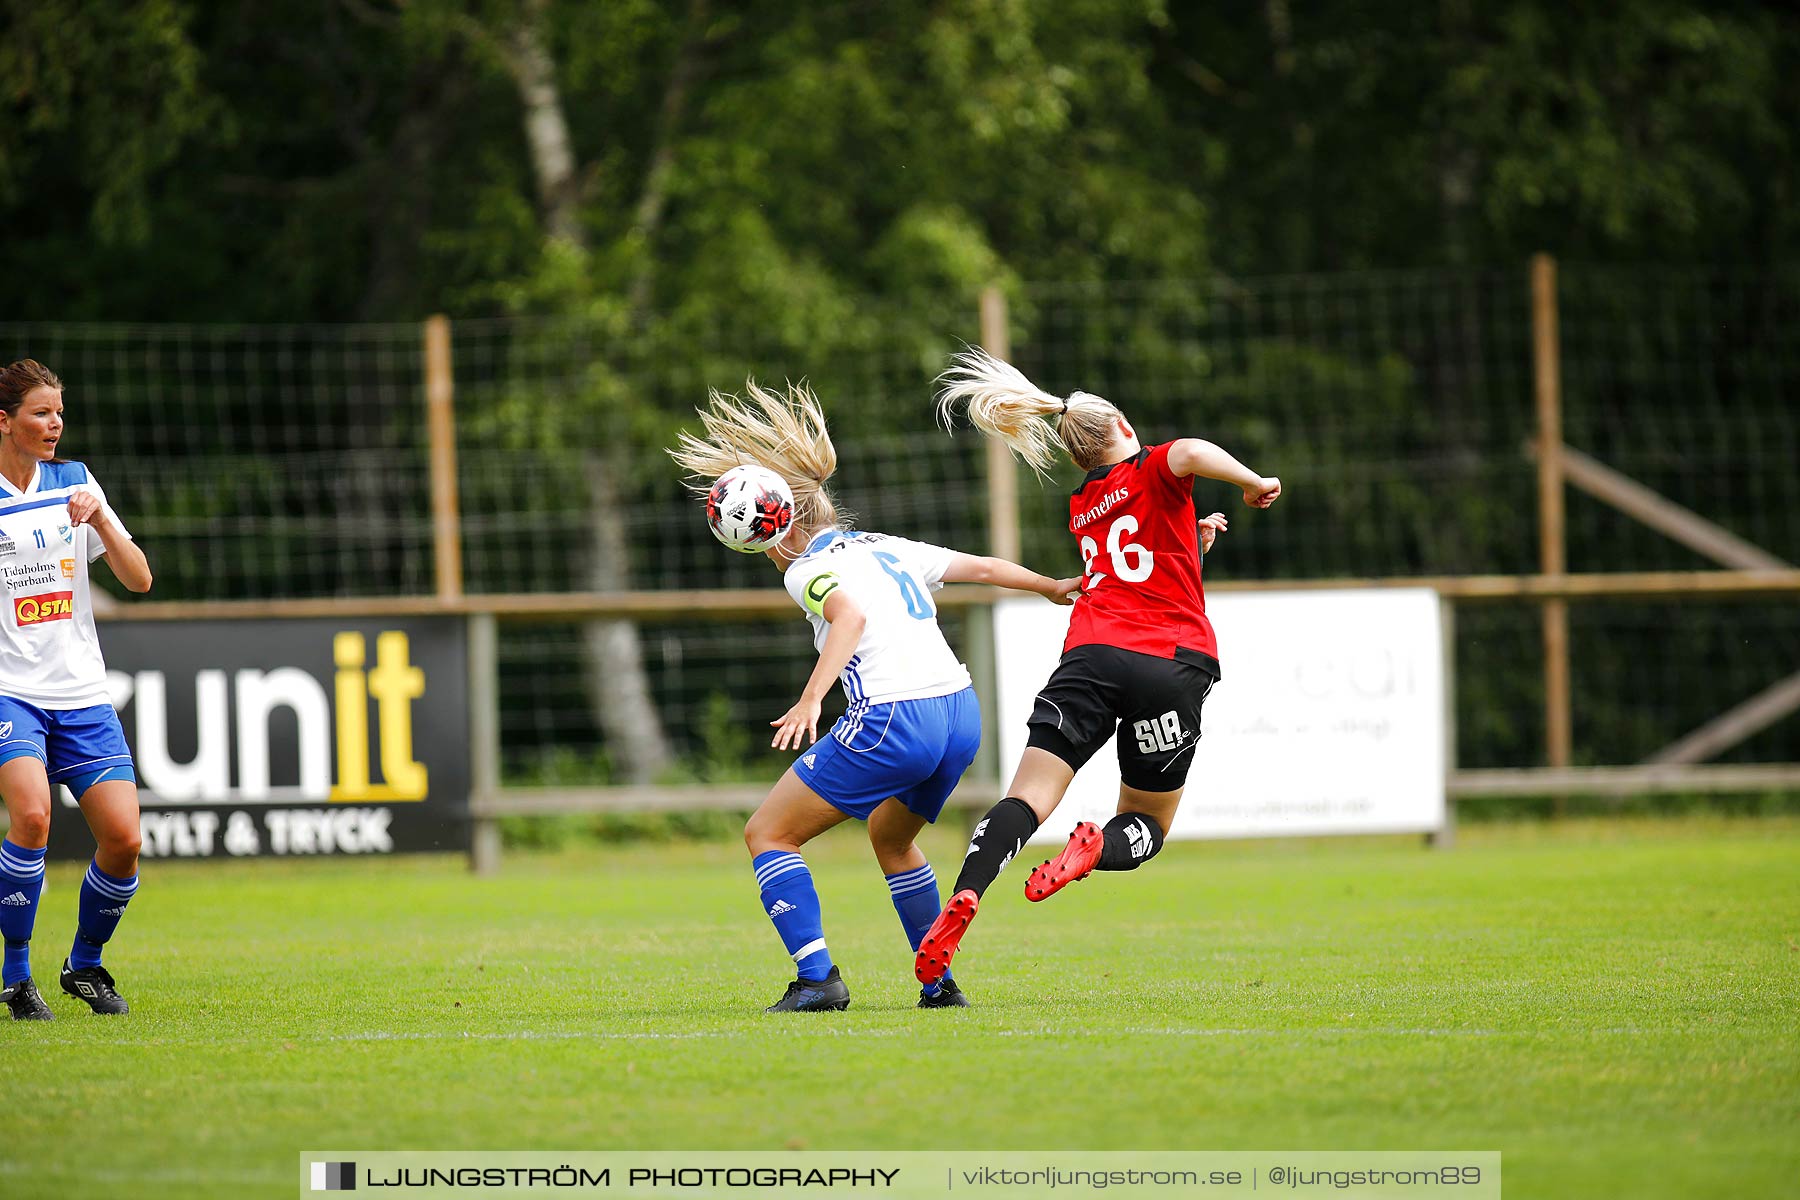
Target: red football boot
{"points": [[939, 944], [1075, 862]]}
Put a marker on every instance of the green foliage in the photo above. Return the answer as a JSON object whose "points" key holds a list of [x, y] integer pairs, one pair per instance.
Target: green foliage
{"points": [[725, 743], [367, 159], [100, 103], [1755, 805], [561, 766], [726, 755], [572, 830], [1389, 134], [819, 191]]}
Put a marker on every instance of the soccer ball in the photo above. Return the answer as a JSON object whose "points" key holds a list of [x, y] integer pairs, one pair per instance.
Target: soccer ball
{"points": [[749, 509]]}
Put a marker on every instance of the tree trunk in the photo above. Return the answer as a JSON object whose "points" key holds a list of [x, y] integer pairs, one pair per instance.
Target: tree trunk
{"points": [[614, 674], [648, 218], [546, 128], [617, 687], [616, 678]]}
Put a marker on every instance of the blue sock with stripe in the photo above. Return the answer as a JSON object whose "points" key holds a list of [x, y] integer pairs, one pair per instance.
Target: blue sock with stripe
{"points": [[792, 903], [916, 899], [21, 883], [103, 901]]}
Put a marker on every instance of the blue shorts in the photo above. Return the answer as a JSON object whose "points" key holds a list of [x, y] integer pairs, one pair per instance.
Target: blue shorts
{"points": [[912, 750], [78, 746]]}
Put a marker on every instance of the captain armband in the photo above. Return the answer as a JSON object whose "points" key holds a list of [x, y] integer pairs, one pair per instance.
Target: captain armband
{"points": [[818, 590]]}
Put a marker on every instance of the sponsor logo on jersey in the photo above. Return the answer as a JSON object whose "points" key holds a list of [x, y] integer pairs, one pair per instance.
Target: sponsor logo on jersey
{"points": [[1117, 496], [7, 549], [45, 606], [30, 575], [68, 568]]}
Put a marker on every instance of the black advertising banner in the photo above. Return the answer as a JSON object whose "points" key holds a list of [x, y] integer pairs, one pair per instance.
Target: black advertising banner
{"points": [[289, 738]]}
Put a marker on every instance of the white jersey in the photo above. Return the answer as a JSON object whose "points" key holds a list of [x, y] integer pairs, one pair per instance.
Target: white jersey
{"points": [[902, 654], [49, 650]]}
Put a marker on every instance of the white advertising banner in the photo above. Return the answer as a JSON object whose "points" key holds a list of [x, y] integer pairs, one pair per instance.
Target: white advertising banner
{"points": [[1329, 718]]}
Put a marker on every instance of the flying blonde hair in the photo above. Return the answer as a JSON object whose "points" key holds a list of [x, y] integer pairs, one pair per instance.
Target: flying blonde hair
{"points": [[784, 432], [1003, 404]]}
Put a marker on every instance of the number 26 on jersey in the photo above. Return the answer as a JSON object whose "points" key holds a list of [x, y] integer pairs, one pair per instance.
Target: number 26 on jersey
{"points": [[1130, 561]]}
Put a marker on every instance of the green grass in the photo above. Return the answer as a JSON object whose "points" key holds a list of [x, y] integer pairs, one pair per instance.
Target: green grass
{"points": [[1612, 1005]]}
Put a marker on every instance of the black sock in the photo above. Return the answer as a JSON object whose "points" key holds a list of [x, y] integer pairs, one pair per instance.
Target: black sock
{"points": [[998, 836], [1132, 839]]}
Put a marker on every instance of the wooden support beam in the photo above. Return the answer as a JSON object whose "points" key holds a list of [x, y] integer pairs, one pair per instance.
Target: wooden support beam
{"points": [[440, 398], [1546, 377], [1552, 521], [1608, 585], [1729, 728], [484, 740], [1464, 785], [1664, 515], [1004, 540], [1559, 690], [1002, 472], [1443, 839], [537, 802], [1623, 782], [755, 604]]}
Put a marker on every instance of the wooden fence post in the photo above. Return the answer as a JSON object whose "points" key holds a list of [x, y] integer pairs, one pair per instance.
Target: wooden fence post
{"points": [[1552, 525], [440, 397], [484, 743], [1003, 542], [1002, 473], [1445, 838]]}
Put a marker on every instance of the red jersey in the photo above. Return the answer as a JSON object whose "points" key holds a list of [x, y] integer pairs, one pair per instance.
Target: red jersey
{"points": [[1140, 547]]}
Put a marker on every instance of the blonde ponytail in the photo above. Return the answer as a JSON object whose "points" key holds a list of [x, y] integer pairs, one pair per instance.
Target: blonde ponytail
{"points": [[784, 432], [1034, 424]]}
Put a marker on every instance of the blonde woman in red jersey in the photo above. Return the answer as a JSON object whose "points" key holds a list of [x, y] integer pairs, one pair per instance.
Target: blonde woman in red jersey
{"points": [[1140, 656]]}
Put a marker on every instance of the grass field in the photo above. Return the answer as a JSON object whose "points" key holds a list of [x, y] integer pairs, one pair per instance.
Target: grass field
{"points": [[1614, 1006]]}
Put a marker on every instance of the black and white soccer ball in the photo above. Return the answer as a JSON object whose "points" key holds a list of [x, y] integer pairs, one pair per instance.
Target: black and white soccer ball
{"points": [[749, 508]]}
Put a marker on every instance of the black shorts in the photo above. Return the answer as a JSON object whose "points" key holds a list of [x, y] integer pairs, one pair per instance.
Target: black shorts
{"points": [[1152, 703]]}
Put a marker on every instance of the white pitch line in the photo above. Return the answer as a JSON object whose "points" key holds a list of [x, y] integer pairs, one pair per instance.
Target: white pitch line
{"points": [[568, 1035]]}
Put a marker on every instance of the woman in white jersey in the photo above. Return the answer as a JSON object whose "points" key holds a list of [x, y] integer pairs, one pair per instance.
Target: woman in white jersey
{"points": [[913, 723], [57, 725]]}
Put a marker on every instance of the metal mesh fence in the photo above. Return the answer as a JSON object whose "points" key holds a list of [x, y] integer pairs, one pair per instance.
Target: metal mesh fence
{"points": [[1392, 405], [1643, 674], [258, 462], [565, 486], [562, 425], [1396, 406], [717, 686], [1687, 382]]}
